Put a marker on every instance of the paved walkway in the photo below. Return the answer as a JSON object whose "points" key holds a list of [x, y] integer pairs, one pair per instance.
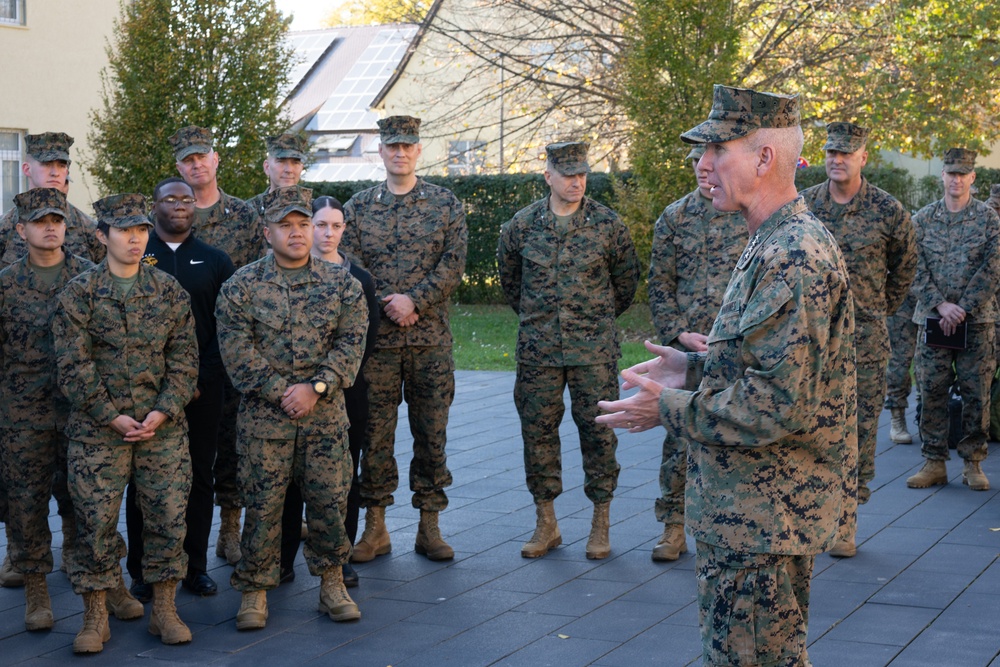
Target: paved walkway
{"points": [[924, 588]]}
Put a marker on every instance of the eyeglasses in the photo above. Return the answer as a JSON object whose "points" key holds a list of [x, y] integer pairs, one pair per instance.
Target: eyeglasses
{"points": [[174, 201]]}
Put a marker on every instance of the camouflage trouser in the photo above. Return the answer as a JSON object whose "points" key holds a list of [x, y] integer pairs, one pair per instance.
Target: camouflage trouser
{"points": [[227, 491], [753, 608], [98, 474], [669, 507], [903, 339], [538, 396], [31, 458], [937, 368], [871, 389], [425, 378], [321, 466]]}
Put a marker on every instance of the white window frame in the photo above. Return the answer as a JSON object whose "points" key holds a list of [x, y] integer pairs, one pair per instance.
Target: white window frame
{"points": [[11, 159], [19, 13], [466, 157]]}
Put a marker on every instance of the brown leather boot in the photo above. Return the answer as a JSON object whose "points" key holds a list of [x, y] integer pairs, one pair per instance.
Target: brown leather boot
{"points": [[334, 600], [671, 544], [429, 541], [253, 611], [844, 549], [95, 631], [228, 544], [898, 432], [375, 539], [547, 535], [598, 545], [164, 621], [932, 474], [9, 577], [120, 602], [37, 605], [974, 477]]}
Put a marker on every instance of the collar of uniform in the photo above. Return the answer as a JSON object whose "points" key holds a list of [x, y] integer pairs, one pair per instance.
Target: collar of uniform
{"points": [[763, 233], [24, 276], [222, 206], [856, 200], [386, 197], [583, 213], [143, 284], [273, 273]]}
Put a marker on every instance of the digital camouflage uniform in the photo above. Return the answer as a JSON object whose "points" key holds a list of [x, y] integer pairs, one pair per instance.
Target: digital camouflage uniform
{"points": [[903, 342], [276, 330], [32, 409], [413, 244], [281, 146], [775, 406], [694, 251], [994, 203], [876, 238], [958, 262], [234, 227], [126, 354]]}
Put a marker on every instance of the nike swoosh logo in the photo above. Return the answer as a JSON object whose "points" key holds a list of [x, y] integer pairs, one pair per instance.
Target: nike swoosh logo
{"points": [[194, 262]]}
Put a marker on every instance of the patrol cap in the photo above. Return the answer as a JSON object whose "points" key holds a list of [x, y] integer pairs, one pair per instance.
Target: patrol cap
{"points": [[568, 157], [279, 203], [845, 137], [122, 211], [399, 130], [190, 140], [696, 152], [39, 202], [287, 145], [736, 112], [959, 161], [49, 146]]}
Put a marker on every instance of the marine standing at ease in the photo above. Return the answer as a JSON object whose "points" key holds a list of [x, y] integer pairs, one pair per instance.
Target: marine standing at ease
{"points": [[568, 268]]}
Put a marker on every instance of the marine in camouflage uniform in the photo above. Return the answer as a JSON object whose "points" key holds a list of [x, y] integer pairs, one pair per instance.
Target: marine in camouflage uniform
{"points": [[411, 236], [694, 251], [286, 158], [233, 226], [47, 166], [876, 237], [958, 238], [32, 409], [568, 268], [994, 203], [127, 359], [288, 324], [772, 402]]}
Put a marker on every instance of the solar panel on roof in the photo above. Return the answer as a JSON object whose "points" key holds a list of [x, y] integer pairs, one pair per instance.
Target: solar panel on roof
{"points": [[307, 49]]}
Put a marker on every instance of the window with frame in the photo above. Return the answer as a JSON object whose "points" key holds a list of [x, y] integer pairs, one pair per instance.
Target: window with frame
{"points": [[466, 157], [12, 12], [10, 167]]}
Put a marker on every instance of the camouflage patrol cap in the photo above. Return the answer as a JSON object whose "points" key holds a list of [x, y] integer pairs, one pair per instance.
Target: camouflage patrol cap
{"points": [[190, 140], [696, 152], [399, 130], [279, 203], [845, 137], [736, 112], [959, 161], [39, 202], [49, 146], [122, 211], [568, 157], [286, 145]]}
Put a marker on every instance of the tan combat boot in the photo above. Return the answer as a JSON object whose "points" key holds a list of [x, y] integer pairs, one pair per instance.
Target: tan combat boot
{"points": [[120, 603], [68, 541], [844, 549], [898, 432], [333, 598], [375, 539], [547, 535], [253, 611], [671, 544], [429, 541], [37, 605], [164, 621], [9, 577], [932, 474], [598, 545], [95, 631], [974, 477], [228, 544]]}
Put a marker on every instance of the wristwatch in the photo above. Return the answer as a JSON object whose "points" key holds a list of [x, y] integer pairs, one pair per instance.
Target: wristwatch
{"points": [[320, 387]]}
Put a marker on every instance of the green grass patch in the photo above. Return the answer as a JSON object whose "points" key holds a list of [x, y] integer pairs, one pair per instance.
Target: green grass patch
{"points": [[486, 336]]}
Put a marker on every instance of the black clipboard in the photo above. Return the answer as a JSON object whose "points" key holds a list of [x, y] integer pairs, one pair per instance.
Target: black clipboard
{"points": [[934, 337]]}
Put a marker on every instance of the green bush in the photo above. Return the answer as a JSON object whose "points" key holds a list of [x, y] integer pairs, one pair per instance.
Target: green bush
{"points": [[489, 202]]}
